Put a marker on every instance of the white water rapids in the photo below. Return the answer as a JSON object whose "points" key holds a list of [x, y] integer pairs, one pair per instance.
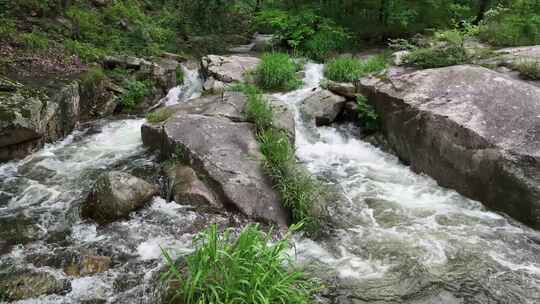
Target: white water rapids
{"points": [[397, 236]]}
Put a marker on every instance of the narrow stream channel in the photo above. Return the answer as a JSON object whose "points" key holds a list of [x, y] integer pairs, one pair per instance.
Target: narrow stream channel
{"points": [[397, 237]]}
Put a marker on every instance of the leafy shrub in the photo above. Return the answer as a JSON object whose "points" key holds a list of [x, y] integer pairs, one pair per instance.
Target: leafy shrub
{"points": [[529, 69], [367, 115], [518, 24], [324, 43], [86, 51], [350, 69], [135, 93], [8, 29], [159, 115], [436, 57], [448, 49], [248, 269], [34, 40], [277, 71], [305, 31]]}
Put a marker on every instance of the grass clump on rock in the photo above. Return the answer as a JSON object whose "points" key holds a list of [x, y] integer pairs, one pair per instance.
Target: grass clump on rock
{"points": [[350, 69], [529, 69], [159, 115], [299, 191], [277, 72], [250, 268]]}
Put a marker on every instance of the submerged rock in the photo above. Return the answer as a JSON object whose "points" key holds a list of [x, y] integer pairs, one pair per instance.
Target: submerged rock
{"points": [[16, 229], [323, 107], [19, 284], [115, 195], [472, 129]]}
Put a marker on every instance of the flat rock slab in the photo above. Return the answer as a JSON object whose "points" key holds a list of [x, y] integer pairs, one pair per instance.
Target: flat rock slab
{"points": [[472, 129], [228, 68], [521, 53]]}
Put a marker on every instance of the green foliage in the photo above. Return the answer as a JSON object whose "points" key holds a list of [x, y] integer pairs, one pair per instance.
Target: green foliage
{"points": [[446, 49], [350, 69], [159, 115], [258, 110], [135, 93], [277, 71], [299, 191], [304, 31], [251, 268], [514, 25], [529, 69], [367, 114], [86, 51], [35, 40], [92, 78], [8, 29]]}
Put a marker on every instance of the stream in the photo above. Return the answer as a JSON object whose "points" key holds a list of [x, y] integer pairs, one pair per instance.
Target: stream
{"points": [[396, 236]]}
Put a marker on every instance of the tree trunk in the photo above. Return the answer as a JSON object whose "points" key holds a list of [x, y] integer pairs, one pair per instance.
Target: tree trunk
{"points": [[483, 7]]}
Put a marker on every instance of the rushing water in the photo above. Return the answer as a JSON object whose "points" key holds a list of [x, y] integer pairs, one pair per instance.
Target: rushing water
{"points": [[397, 237], [400, 238], [48, 188]]}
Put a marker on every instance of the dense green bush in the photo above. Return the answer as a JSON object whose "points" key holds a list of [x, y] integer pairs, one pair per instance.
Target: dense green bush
{"points": [[351, 69], [250, 268], [306, 32], [446, 49], [277, 71], [135, 92], [518, 24]]}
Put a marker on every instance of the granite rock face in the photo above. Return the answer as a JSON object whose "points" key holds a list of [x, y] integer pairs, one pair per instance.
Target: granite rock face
{"points": [[470, 128]]}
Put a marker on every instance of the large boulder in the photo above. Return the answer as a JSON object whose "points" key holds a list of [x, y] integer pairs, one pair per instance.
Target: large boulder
{"points": [[472, 129], [345, 89], [29, 117], [323, 107], [115, 195], [228, 69], [186, 187], [225, 153], [516, 54], [20, 284]]}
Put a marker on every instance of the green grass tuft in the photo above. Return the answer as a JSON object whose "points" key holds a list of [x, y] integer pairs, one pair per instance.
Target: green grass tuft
{"points": [[299, 191], [350, 69], [159, 115], [529, 69], [277, 72], [179, 75], [437, 57], [250, 268]]}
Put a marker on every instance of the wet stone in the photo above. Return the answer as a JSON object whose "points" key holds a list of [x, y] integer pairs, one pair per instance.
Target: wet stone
{"points": [[16, 229], [18, 284]]}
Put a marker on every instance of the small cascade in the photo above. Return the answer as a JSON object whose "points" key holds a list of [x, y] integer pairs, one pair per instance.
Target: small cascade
{"points": [[190, 89]]}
